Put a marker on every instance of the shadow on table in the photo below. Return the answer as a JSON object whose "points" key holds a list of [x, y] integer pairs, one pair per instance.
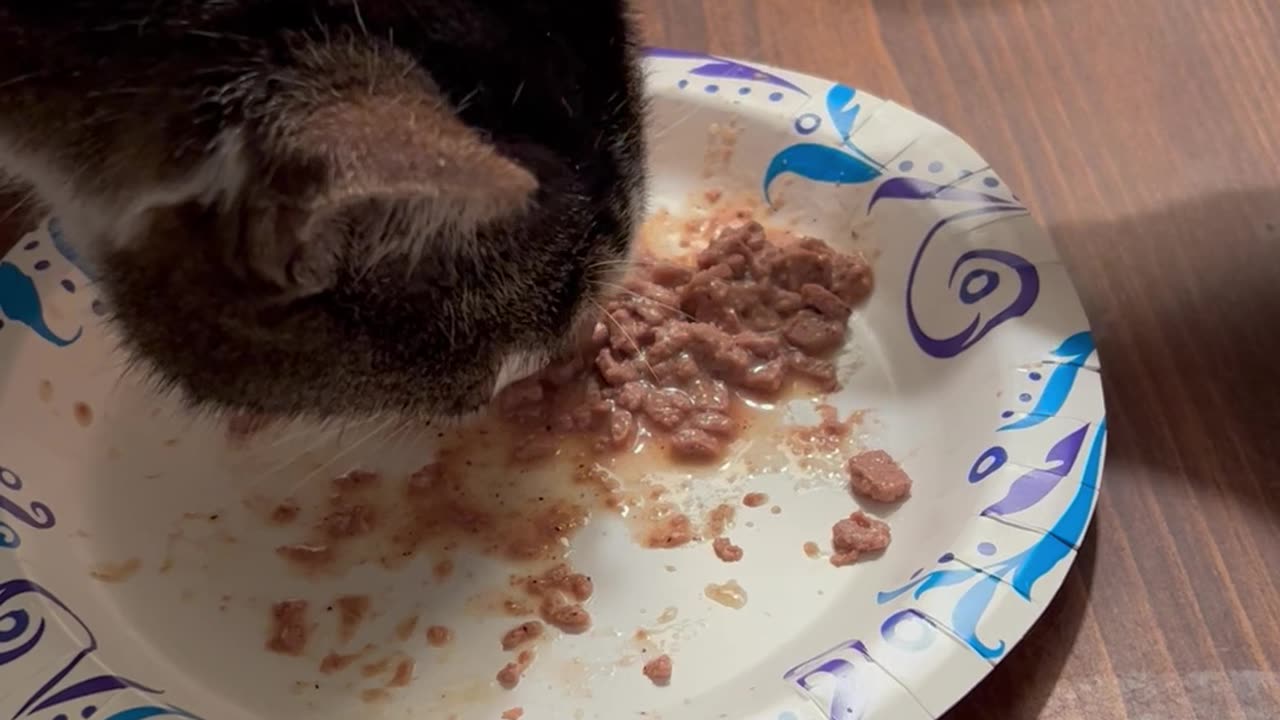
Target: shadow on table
{"points": [[1185, 309], [1185, 306]]}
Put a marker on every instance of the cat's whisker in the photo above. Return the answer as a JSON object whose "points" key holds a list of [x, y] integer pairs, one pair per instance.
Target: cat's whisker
{"points": [[630, 339], [311, 475], [646, 298]]}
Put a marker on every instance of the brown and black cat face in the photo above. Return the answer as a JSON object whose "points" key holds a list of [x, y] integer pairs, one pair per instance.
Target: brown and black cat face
{"points": [[344, 208]]}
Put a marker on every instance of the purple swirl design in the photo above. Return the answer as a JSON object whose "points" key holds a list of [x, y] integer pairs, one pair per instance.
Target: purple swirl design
{"points": [[839, 664], [970, 291], [719, 67], [38, 516], [21, 633], [1032, 487]]}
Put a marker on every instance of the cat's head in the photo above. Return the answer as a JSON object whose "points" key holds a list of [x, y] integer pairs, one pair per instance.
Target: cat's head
{"points": [[398, 205]]}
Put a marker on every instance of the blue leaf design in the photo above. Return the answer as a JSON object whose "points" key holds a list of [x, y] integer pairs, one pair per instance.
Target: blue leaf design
{"points": [[822, 163], [20, 302], [842, 112]]}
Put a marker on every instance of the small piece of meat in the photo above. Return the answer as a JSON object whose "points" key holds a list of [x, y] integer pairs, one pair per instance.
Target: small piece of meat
{"points": [[667, 407], [509, 676], [851, 279], [713, 422], [695, 444], [439, 635], [569, 618], [670, 275], [672, 532], [820, 372], [857, 535], [514, 713], [720, 518], [658, 670], [813, 333], [766, 378], [622, 428], [580, 587], [632, 396], [726, 550], [290, 630], [825, 302], [875, 475], [798, 266], [614, 371], [755, 499], [762, 345], [522, 634]]}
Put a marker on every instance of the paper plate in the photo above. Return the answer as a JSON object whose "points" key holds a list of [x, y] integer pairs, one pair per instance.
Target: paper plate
{"points": [[136, 579]]}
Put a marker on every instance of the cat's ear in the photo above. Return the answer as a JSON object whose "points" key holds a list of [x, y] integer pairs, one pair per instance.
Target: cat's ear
{"points": [[372, 177]]}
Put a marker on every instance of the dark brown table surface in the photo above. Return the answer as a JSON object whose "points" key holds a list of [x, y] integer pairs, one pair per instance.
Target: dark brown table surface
{"points": [[1146, 135]]}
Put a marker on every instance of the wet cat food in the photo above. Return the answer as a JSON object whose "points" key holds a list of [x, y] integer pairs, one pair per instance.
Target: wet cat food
{"points": [[674, 355]]}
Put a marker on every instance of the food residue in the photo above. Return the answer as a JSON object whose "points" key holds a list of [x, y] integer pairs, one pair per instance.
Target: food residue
{"points": [[876, 476], [45, 391], [730, 594], [511, 673], [522, 634], [514, 713], [352, 610], [83, 414], [290, 629], [812, 550], [755, 499], [857, 535], [115, 572], [726, 550], [439, 635], [406, 627], [659, 670]]}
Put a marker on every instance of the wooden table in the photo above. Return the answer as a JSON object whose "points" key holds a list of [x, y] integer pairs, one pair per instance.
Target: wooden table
{"points": [[1146, 135]]}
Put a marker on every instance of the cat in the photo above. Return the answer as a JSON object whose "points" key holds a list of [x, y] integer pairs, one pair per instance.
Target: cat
{"points": [[334, 208]]}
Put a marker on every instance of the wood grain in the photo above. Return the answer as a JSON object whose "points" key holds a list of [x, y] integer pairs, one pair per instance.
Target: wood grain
{"points": [[1146, 135]]}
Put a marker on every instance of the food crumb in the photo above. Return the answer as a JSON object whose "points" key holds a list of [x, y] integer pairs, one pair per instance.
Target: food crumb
{"points": [[443, 569], [285, 513], [720, 518], [730, 594], [812, 550], [775, 510], [755, 499], [877, 476], [514, 713], [659, 670], [46, 390], [352, 610], [403, 674], [83, 414], [289, 628], [522, 634], [855, 535], [112, 572], [439, 635], [374, 696], [405, 629], [336, 662], [511, 673], [726, 550]]}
